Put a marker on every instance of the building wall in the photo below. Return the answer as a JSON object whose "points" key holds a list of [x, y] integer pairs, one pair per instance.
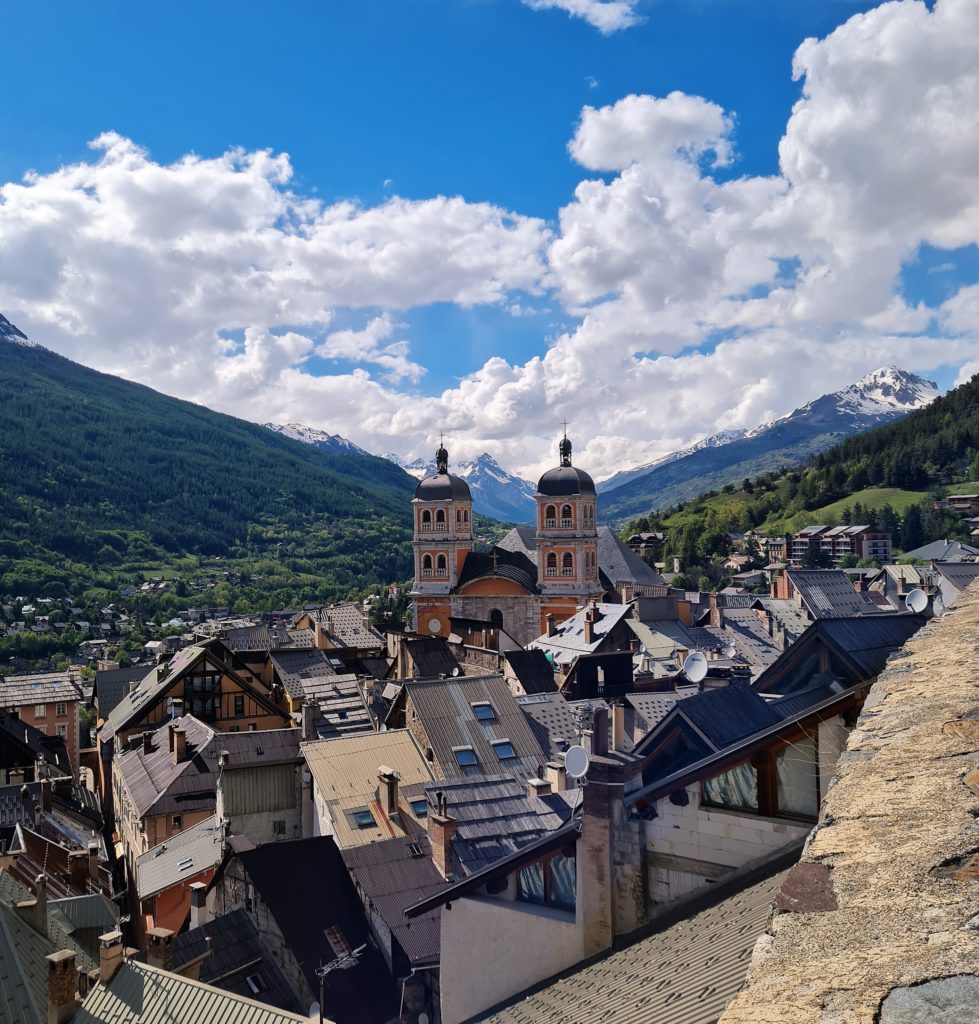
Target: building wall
{"points": [[253, 799], [521, 612], [49, 722], [493, 949]]}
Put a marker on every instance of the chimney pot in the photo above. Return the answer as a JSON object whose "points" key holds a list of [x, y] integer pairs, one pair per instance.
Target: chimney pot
{"points": [[557, 776], [389, 780], [93, 860], [178, 742], [551, 628], [441, 831], [78, 870], [589, 629], [198, 905], [538, 788], [159, 951], [309, 720]]}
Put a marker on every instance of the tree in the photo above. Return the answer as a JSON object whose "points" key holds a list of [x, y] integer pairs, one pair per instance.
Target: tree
{"points": [[912, 529], [747, 486]]}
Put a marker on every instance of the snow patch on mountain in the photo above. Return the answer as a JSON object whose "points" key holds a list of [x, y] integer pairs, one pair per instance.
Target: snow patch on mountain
{"points": [[8, 332], [318, 438]]}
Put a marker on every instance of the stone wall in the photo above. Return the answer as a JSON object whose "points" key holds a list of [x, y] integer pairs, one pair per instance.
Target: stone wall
{"points": [[521, 615]]}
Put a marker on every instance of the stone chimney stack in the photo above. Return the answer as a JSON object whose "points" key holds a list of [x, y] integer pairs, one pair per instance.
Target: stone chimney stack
{"points": [[441, 831], [599, 732], [178, 742], [159, 948], [590, 625], [538, 788], [78, 870], [110, 955], [61, 986], [309, 720], [198, 904], [41, 904], [716, 612], [618, 726], [557, 776], [388, 780], [551, 628]]}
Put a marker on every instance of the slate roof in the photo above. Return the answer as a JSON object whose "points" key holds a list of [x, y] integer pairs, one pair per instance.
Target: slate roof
{"points": [[445, 712], [22, 744], [181, 857], [652, 708], [329, 907], [345, 625], [944, 551], [495, 816], [619, 564], [684, 973], [236, 953], [341, 707], [112, 684], [393, 877], [553, 719], [295, 667], [521, 540], [568, 641], [532, 669], [792, 618], [750, 636], [869, 642], [828, 593], [430, 656], [503, 563], [257, 638], [40, 688], [959, 574], [167, 998], [727, 714]]}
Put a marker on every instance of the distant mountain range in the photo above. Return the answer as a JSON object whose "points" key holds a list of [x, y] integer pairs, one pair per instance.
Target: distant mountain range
{"points": [[496, 493], [319, 439], [884, 395]]}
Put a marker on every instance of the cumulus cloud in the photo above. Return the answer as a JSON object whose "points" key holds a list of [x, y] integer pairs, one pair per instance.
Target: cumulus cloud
{"points": [[607, 16], [701, 300]]}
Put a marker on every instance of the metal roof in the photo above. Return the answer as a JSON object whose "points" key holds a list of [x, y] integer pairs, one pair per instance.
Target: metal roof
{"points": [[652, 708], [532, 669], [500, 562], [180, 857], [685, 973], [552, 721], [166, 998], [944, 551], [347, 767], [341, 707], [444, 709], [828, 593], [40, 688], [237, 952], [296, 667], [392, 876]]}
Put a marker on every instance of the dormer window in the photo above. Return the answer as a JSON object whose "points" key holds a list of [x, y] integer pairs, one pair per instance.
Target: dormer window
{"points": [[484, 711]]}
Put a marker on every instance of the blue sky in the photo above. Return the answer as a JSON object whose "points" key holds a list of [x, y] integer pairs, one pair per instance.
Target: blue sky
{"points": [[478, 99]]}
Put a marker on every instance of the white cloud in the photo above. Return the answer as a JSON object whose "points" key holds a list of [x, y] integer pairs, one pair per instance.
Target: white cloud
{"points": [[366, 346], [607, 16], [703, 301]]}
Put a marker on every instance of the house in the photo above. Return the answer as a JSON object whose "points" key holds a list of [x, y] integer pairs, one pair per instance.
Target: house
{"points": [[362, 786], [165, 874], [22, 746], [596, 629], [469, 725], [112, 685], [344, 628], [823, 593], [528, 672], [325, 924], [49, 702], [944, 551]]}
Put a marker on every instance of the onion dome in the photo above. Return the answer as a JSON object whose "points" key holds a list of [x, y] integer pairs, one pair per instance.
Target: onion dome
{"points": [[443, 485], [565, 480]]}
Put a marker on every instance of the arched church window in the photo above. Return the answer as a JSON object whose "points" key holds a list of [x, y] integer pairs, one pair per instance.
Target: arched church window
{"points": [[426, 520], [440, 519], [567, 564], [550, 517], [496, 618], [426, 566], [550, 565], [465, 515], [565, 517], [441, 566]]}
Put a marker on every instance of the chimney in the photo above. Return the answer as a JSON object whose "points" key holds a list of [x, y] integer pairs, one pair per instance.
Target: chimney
{"points": [[198, 904], [159, 948], [41, 904], [38, 815], [557, 776], [110, 955], [61, 986], [93, 861], [78, 871], [902, 584], [551, 628], [599, 732], [538, 788], [389, 780], [716, 612], [46, 793], [618, 727], [178, 743], [309, 720], [773, 588], [590, 625], [441, 831], [16, 777], [858, 584], [147, 742]]}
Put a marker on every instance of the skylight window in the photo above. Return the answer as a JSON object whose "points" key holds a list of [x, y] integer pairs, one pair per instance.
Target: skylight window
{"points": [[362, 818], [466, 759], [504, 750], [419, 808], [484, 711]]}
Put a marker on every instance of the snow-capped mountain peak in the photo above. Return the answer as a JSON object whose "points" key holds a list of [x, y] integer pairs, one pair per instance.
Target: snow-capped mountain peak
{"points": [[887, 389], [8, 332], [317, 438]]}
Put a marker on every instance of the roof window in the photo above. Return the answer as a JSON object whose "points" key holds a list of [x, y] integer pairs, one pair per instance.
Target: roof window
{"points": [[419, 808], [484, 711], [362, 818], [466, 759], [504, 750]]}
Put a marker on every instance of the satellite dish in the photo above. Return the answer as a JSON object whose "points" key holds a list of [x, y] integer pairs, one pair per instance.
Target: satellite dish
{"points": [[314, 1011], [695, 667], [728, 649], [642, 649], [576, 762], [916, 601], [455, 671]]}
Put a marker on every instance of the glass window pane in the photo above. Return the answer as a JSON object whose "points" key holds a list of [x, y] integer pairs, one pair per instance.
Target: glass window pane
{"points": [[736, 788], [504, 750], [798, 783], [561, 883], [530, 883], [465, 756]]}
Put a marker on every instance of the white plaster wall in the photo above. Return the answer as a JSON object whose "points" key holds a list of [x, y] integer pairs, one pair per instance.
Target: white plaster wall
{"points": [[719, 838], [493, 949]]}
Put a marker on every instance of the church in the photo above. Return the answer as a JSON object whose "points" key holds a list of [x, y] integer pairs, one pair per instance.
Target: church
{"points": [[535, 572]]}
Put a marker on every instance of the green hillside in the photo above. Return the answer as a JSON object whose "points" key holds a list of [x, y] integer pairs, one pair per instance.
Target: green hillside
{"points": [[104, 483], [889, 478]]}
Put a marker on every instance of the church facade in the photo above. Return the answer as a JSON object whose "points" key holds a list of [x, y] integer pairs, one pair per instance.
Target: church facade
{"points": [[551, 568]]}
